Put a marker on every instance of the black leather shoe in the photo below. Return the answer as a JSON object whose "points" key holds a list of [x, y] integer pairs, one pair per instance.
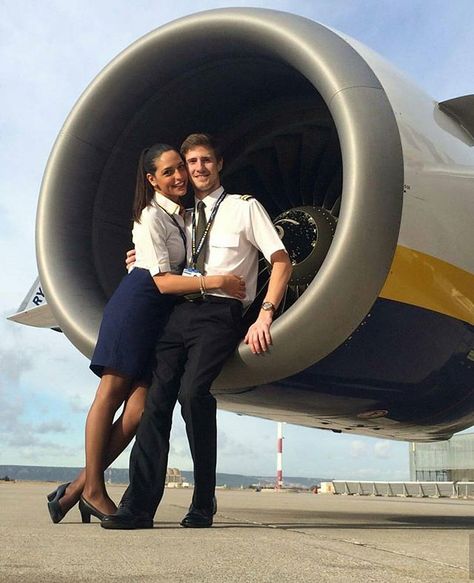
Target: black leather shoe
{"points": [[127, 519], [198, 517], [55, 510]]}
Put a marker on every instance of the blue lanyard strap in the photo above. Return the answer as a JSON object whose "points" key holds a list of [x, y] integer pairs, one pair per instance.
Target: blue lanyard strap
{"points": [[197, 250], [180, 229]]}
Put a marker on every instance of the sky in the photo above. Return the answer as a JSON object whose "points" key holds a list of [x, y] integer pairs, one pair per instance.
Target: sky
{"points": [[50, 51]]}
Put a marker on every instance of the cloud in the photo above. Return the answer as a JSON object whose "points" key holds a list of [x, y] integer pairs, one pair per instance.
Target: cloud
{"points": [[14, 362], [30, 450], [240, 450], [79, 404], [51, 427], [29, 409], [372, 473], [358, 448], [382, 449], [11, 409]]}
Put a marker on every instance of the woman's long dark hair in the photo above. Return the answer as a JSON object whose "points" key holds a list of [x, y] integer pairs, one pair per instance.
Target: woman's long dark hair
{"points": [[144, 191]]}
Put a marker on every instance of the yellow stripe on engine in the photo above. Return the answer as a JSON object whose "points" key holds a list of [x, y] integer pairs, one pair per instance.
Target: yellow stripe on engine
{"points": [[425, 281]]}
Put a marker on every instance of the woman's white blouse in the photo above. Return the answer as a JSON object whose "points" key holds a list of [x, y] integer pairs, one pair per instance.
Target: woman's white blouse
{"points": [[158, 244]]}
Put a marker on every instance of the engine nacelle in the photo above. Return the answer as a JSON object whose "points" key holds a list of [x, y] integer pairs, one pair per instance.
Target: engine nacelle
{"points": [[294, 106], [330, 138]]}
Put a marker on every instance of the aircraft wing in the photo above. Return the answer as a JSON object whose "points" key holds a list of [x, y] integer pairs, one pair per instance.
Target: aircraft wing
{"points": [[34, 310]]}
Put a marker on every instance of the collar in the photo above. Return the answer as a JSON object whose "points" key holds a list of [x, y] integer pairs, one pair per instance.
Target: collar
{"points": [[211, 199], [165, 203]]}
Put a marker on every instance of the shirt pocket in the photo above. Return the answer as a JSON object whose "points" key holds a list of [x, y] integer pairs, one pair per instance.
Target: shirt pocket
{"points": [[223, 251], [223, 240]]}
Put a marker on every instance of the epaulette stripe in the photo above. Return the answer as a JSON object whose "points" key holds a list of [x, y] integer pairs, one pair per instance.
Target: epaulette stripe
{"points": [[246, 197]]}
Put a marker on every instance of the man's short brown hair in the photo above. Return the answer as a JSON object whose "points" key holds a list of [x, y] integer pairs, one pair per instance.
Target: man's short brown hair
{"points": [[206, 140]]}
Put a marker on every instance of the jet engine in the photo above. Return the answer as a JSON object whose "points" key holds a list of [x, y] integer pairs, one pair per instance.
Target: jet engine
{"points": [[336, 144]]}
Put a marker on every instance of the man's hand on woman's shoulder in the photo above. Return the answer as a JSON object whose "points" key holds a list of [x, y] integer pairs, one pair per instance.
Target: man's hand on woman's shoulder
{"points": [[130, 259]]}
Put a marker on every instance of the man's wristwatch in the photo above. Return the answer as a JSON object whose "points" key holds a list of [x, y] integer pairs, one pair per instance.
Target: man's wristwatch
{"points": [[268, 307]]}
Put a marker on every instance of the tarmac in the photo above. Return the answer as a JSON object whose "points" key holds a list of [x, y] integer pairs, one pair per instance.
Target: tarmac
{"points": [[257, 537]]}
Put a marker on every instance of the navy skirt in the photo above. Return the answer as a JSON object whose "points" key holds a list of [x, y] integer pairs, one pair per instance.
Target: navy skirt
{"points": [[133, 319]]}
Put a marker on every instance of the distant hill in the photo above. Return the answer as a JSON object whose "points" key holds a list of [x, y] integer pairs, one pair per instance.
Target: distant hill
{"points": [[120, 476]]}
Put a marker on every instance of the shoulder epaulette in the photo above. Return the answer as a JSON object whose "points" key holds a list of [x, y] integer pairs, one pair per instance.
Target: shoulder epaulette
{"points": [[246, 197]]}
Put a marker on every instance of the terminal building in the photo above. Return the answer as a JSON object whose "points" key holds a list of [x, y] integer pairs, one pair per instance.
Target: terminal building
{"points": [[174, 478], [443, 461]]}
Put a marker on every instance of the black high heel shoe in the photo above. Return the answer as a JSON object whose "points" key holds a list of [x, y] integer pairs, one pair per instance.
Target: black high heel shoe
{"points": [[55, 510], [87, 510]]}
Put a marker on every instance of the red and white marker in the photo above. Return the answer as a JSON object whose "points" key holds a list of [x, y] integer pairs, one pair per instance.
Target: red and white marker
{"points": [[279, 477]]}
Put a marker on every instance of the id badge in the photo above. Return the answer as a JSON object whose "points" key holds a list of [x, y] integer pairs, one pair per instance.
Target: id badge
{"points": [[191, 272]]}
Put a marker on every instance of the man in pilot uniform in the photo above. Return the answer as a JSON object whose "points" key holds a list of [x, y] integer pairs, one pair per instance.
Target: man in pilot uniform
{"points": [[224, 235]]}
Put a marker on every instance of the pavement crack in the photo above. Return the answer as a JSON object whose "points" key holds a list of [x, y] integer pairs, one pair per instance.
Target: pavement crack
{"points": [[346, 541]]}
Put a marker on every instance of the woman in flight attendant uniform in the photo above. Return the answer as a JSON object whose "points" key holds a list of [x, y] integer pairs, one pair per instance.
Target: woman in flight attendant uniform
{"points": [[132, 321]]}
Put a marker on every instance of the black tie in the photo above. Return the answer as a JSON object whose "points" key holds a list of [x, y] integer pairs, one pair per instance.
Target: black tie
{"points": [[201, 226]]}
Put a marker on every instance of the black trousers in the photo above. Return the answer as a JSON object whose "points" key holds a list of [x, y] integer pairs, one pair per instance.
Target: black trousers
{"points": [[197, 339]]}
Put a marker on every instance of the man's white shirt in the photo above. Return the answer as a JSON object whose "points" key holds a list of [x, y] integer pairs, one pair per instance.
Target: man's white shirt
{"points": [[241, 229]]}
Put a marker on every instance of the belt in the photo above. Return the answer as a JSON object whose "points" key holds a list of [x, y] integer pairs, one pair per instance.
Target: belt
{"points": [[210, 299]]}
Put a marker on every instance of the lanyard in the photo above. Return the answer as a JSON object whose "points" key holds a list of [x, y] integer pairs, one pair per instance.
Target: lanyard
{"points": [[180, 229], [197, 251]]}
